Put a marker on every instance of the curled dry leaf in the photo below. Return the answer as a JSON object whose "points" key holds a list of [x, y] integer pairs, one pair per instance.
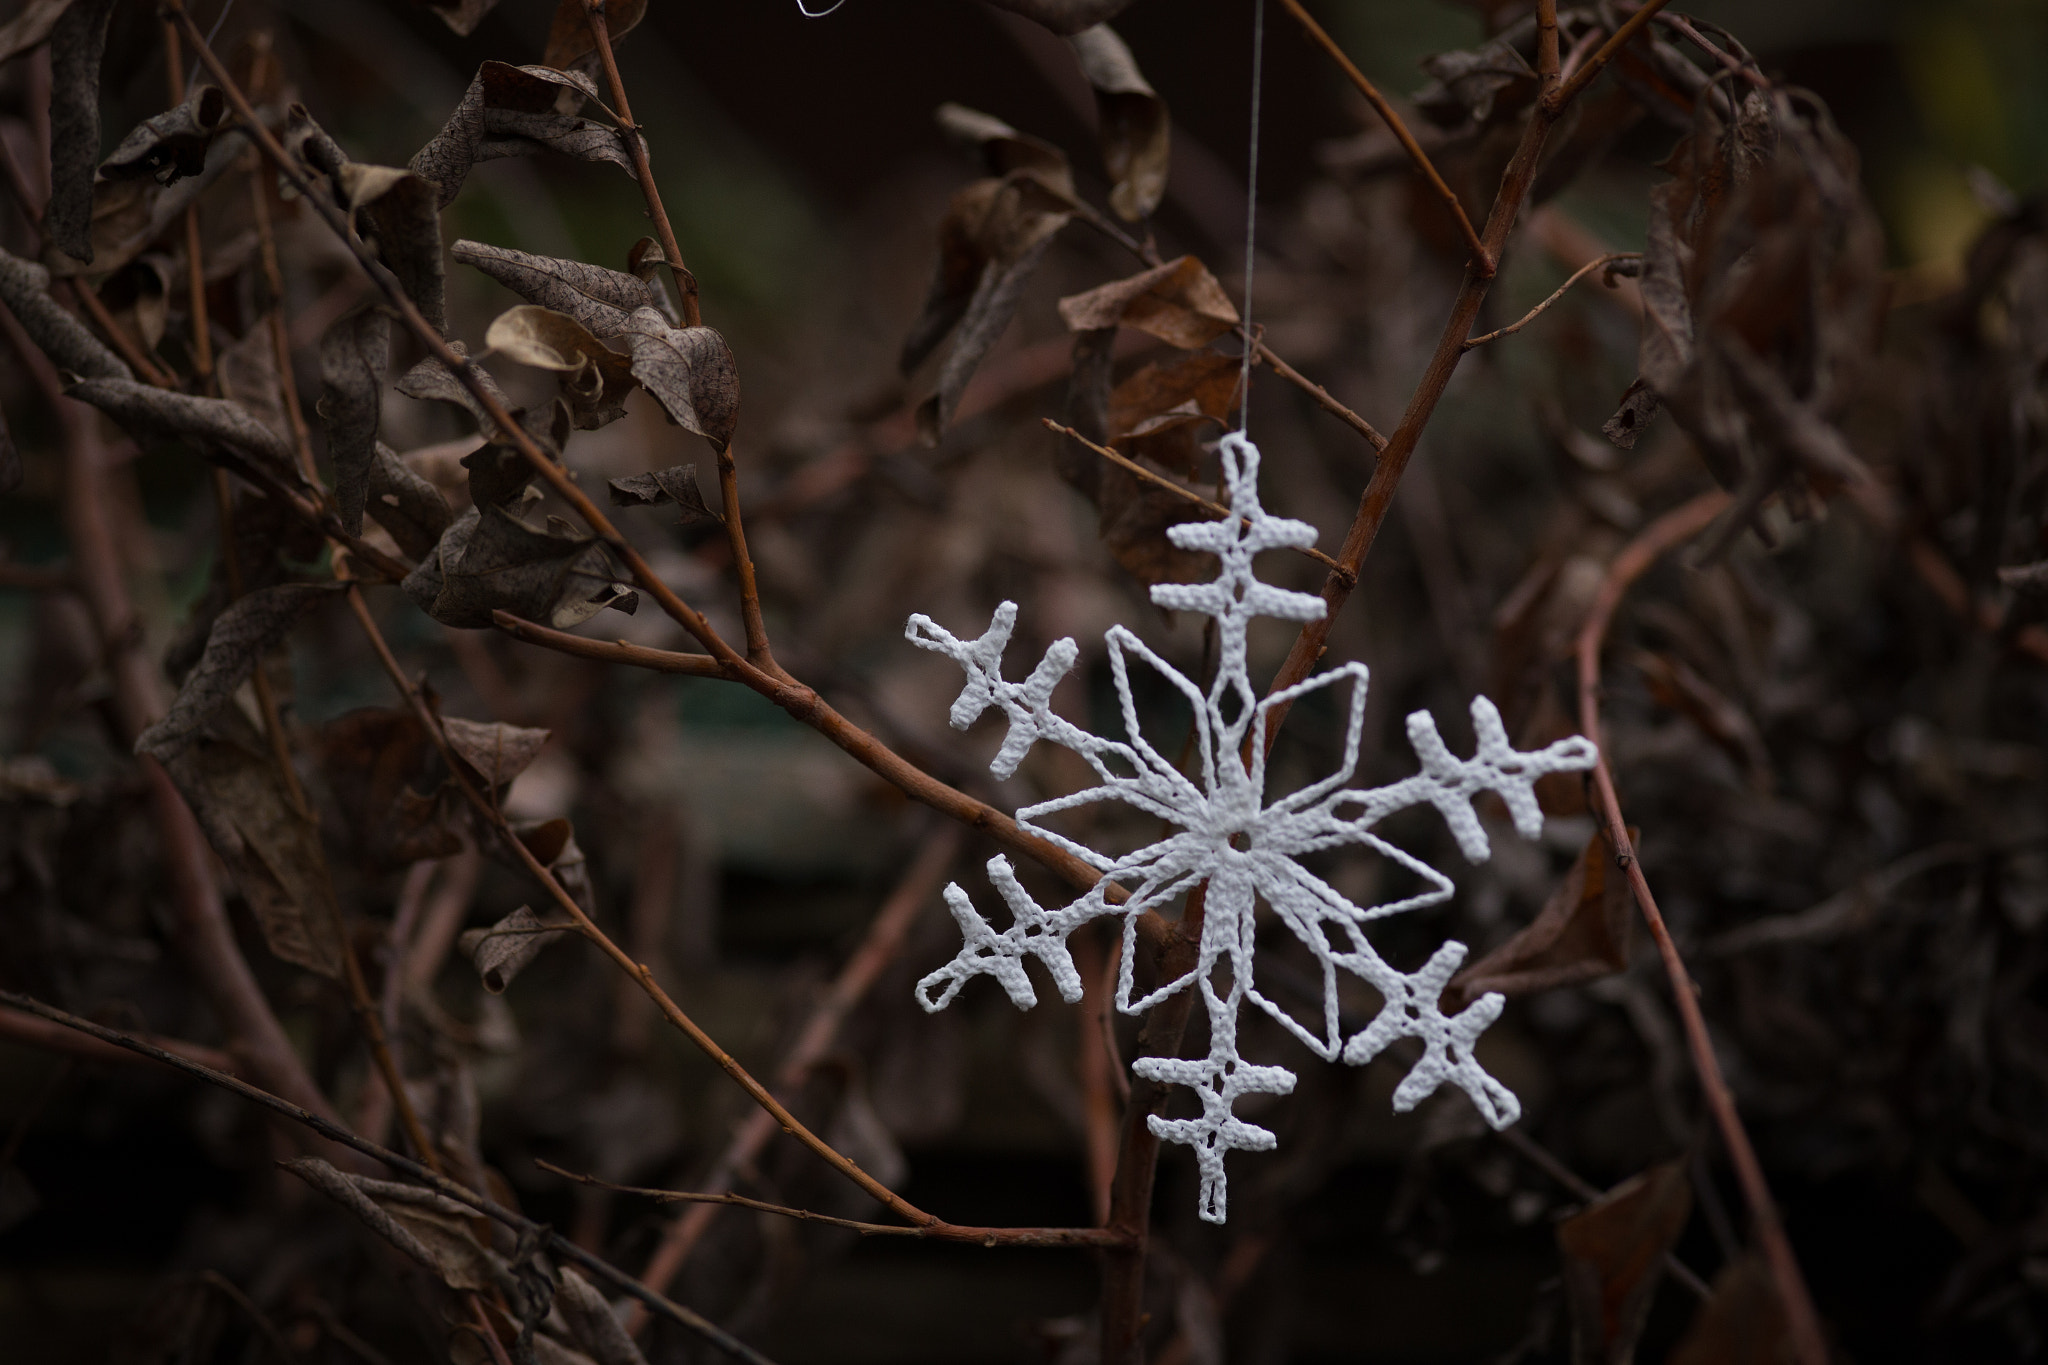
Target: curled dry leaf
{"points": [[499, 472], [676, 484], [430, 379], [140, 407], [431, 1228], [512, 111], [1614, 1252], [25, 288], [227, 775], [505, 949], [595, 379], [1583, 932], [353, 357], [1763, 291], [406, 505], [138, 297], [569, 38], [689, 370], [78, 41], [496, 752], [992, 238], [1743, 1324], [1136, 130], [1179, 302], [173, 144], [602, 300], [592, 1324], [1481, 85], [488, 560], [400, 212]]}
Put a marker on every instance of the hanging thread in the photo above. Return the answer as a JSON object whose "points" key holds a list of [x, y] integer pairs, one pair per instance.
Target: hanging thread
{"points": [[1251, 209]]}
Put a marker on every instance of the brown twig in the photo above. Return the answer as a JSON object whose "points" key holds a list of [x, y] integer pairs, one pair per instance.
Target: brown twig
{"points": [[440, 1184], [1666, 533], [884, 939], [1123, 461], [23, 1027], [1323, 397], [643, 168], [1484, 258], [1564, 92], [936, 1232], [1536, 312]]}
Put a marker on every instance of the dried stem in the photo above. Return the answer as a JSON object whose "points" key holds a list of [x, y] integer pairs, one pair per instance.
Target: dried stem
{"points": [[1123, 461], [1322, 395], [643, 168], [1485, 259], [335, 1132], [936, 1232], [1536, 312], [1666, 533], [1565, 92], [877, 949]]}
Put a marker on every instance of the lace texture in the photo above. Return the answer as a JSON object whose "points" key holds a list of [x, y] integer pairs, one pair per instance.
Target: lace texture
{"points": [[1245, 849]]}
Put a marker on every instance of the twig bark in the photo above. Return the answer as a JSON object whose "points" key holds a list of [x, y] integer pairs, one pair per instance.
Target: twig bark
{"points": [[1666, 533], [1563, 289]]}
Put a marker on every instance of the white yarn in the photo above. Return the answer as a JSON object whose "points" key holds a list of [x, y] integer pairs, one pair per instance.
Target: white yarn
{"points": [[1226, 801]]}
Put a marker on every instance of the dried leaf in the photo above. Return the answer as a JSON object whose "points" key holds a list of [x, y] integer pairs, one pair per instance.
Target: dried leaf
{"points": [[993, 236], [1583, 932], [1743, 1324], [431, 1228], [602, 300], [142, 407], [1179, 302], [1158, 412], [488, 560], [595, 378], [503, 951], [676, 484], [499, 472], [400, 212], [137, 296], [1614, 1252], [1477, 85], [430, 379], [247, 370], [511, 111], [353, 358], [496, 752], [173, 144], [592, 1324], [1064, 17], [569, 38], [406, 505], [240, 637], [377, 761], [462, 15], [1134, 516], [25, 288], [30, 27], [1135, 128], [690, 370], [78, 40]]}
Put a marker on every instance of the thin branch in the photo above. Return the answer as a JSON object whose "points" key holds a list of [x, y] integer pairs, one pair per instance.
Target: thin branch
{"points": [[1666, 533], [883, 941], [440, 1184], [1322, 395], [1484, 258], [1556, 99], [935, 1232], [22, 1027], [1123, 461], [1536, 312], [643, 168]]}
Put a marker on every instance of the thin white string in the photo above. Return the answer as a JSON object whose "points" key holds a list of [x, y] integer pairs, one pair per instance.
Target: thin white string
{"points": [[1251, 209], [809, 13]]}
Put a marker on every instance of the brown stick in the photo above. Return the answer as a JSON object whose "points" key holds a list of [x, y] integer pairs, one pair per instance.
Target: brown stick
{"points": [[1565, 92], [440, 1184], [1667, 532], [23, 1027], [937, 1232], [1322, 395], [1484, 258], [1123, 461], [1536, 312], [643, 168], [877, 950]]}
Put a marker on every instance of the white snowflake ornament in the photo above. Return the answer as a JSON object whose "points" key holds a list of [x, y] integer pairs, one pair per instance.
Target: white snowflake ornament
{"points": [[1244, 849]]}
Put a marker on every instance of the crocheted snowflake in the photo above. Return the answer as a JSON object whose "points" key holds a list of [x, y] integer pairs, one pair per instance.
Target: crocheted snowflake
{"points": [[1244, 848]]}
